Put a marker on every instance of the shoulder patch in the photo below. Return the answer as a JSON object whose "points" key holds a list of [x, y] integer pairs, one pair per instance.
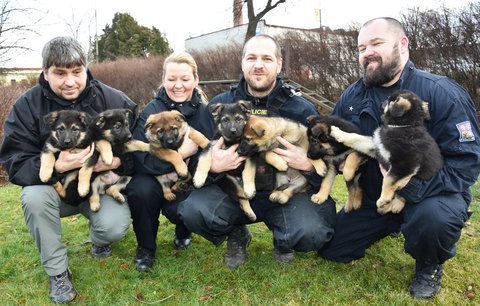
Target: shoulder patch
{"points": [[465, 130]]}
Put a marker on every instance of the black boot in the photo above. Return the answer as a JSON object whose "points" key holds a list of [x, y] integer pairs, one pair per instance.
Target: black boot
{"points": [[426, 281], [144, 259], [183, 237], [237, 244]]}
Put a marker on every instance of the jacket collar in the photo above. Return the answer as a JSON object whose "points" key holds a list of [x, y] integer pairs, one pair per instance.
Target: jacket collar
{"points": [[187, 108], [85, 98]]}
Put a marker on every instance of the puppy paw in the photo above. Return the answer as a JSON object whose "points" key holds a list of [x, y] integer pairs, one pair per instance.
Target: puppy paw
{"points": [[83, 189], [337, 133], [94, 206], [318, 198], [382, 202], [169, 196], [279, 197], [119, 198], [251, 215], [182, 171], [199, 180], [384, 209], [249, 190], [320, 167], [397, 205], [45, 175]]}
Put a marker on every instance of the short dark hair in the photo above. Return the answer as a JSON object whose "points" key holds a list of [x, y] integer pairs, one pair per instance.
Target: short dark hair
{"points": [[392, 22], [278, 52], [63, 51]]}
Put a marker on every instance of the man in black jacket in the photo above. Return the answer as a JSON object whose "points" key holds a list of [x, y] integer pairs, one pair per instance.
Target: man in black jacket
{"points": [[298, 225], [65, 83]]}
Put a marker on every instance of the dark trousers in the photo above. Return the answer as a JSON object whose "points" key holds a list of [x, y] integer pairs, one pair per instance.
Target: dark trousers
{"points": [[299, 225], [431, 229], [146, 201]]}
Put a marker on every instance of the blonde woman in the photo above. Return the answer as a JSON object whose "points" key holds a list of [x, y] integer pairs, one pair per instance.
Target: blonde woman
{"points": [[179, 91]]}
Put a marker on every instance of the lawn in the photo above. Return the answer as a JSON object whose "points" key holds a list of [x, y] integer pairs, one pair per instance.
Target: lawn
{"points": [[197, 276]]}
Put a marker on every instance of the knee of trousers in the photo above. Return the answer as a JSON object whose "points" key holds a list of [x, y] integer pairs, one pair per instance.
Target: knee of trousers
{"points": [[112, 224], [37, 198], [309, 230]]}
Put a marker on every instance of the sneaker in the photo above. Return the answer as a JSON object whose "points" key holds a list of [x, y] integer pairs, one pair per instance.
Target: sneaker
{"points": [[61, 288], [101, 251], [144, 259], [426, 281], [182, 243], [237, 244], [283, 256]]}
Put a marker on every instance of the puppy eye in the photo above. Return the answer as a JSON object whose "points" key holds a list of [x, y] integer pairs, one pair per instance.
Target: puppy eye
{"points": [[313, 140], [239, 119]]}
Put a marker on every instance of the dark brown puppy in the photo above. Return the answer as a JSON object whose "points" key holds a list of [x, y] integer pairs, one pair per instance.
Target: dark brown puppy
{"points": [[322, 146], [166, 131], [402, 146]]}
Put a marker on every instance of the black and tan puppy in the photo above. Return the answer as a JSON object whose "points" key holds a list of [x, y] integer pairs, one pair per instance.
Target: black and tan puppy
{"points": [[322, 146], [260, 135], [69, 130], [402, 146], [110, 130], [230, 119], [166, 131]]}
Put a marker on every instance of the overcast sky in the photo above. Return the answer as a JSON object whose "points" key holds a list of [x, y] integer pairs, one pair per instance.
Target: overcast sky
{"points": [[181, 19]]}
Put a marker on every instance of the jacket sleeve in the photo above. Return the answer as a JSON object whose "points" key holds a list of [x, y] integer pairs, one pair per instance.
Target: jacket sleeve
{"points": [[22, 145], [454, 127]]}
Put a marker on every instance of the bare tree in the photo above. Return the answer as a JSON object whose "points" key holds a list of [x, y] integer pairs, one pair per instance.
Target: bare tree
{"points": [[254, 19], [16, 24]]}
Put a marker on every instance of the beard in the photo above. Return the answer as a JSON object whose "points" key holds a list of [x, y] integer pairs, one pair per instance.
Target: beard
{"points": [[385, 72]]}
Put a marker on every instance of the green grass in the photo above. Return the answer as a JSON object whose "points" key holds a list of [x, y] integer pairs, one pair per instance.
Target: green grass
{"points": [[198, 276]]}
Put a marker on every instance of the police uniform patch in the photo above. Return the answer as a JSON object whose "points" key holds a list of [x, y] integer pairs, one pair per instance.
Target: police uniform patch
{"points": [[465, 130]]}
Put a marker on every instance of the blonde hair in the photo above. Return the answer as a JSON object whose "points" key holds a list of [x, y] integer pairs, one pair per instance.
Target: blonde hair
{"points": [[185, 58]]}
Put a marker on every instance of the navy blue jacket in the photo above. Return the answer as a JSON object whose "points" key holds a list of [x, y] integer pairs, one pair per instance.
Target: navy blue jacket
{"points": [[25, 131], [453, 125], [197, 116], [282, 101]]}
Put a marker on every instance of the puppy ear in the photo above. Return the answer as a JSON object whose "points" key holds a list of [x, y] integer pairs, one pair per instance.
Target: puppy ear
{"points": [[100, 122], [149, 123], [180, 117], [50, 118], [246, 106], [259, 128], [215, 109], [85, 118], [128, 113], [311, 118], [425, 110]]}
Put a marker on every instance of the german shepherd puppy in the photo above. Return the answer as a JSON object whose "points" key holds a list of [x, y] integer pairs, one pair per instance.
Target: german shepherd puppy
{"points": [[110, 130], [322, 146], [69, 130], [260, 135], [230, 120], [166, 131], [402, 146]]}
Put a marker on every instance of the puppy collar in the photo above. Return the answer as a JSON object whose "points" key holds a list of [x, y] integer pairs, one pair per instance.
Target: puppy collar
{"points": [[399, 126]]}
